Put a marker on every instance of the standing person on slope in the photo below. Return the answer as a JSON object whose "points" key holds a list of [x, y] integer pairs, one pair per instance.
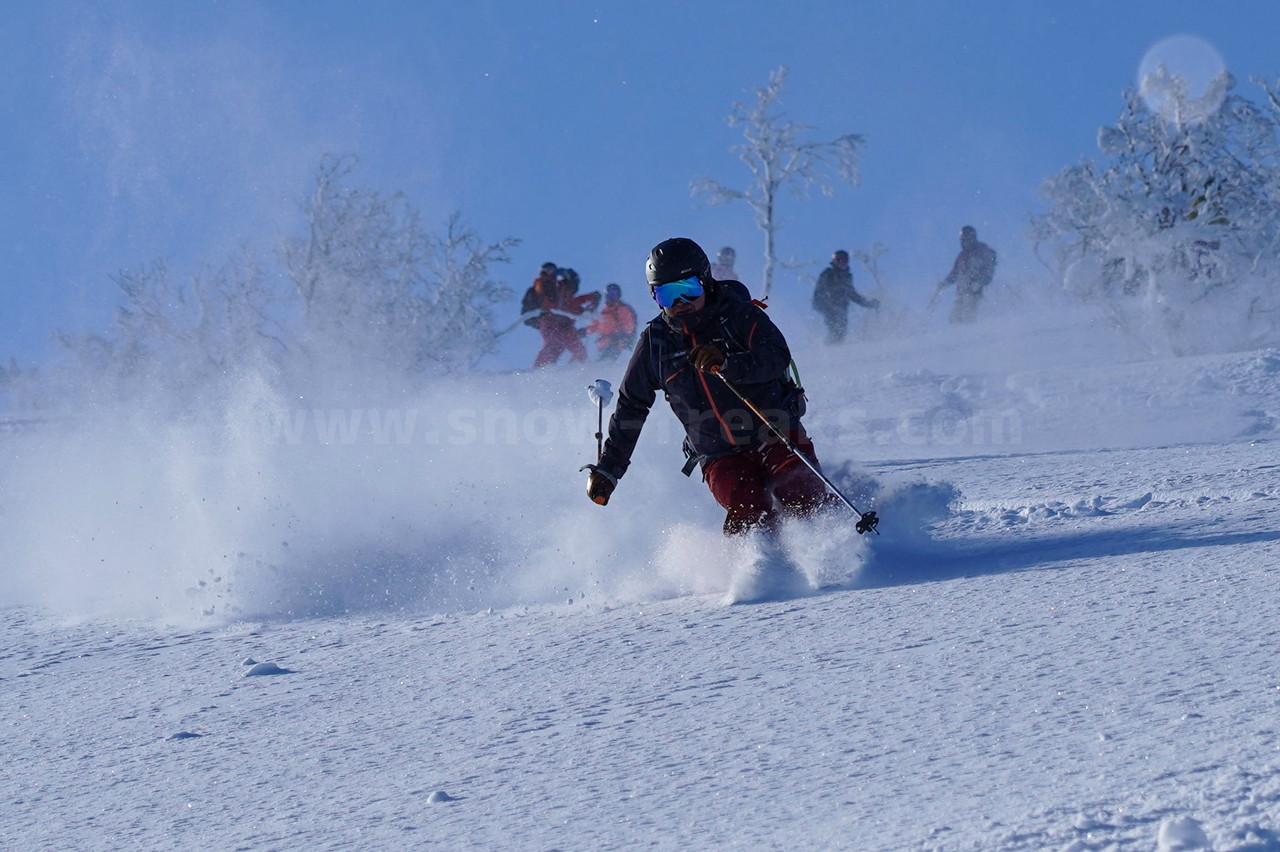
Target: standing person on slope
{"points": [[707, 325], [834, 292], [542, 286], [973, 270], [722, 269], [554, 294], [615, 325]]}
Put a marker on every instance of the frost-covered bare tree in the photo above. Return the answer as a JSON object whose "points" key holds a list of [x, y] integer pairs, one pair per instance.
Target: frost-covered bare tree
{"points": [[20, 388], [870, 260], [357, 273], [242, 316], [1177, 229], [365, 291], [461, 294], [177, 338], [780, 157], [377, 289]]}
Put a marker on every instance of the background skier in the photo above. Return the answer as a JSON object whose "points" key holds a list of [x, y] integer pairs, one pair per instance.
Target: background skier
{"points": [[973, 270], [722, 269], [554, 295], [833, 293], [615, 325], [533, 299], [706, 325]]}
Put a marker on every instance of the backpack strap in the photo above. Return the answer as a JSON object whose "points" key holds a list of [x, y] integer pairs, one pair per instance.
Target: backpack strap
{"points": [[795, 374]]}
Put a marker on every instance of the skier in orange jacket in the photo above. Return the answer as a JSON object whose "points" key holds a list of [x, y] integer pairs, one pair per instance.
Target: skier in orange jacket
{"points": [[615, 325]]}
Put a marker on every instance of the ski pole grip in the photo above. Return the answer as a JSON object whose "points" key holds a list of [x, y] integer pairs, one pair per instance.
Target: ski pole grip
{"points": [[600, 392]]}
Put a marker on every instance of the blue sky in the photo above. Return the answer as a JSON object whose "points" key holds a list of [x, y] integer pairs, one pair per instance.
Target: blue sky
{"points": [[137, 131]]}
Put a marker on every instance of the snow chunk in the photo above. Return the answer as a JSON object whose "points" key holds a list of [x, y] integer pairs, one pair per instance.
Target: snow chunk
{"points": [[1181, 834], [440, 796], [1137, 503], [265, 669]]}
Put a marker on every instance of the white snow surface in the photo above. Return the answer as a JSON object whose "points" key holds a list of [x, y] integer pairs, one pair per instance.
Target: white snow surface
{"points": [[266, 630]]}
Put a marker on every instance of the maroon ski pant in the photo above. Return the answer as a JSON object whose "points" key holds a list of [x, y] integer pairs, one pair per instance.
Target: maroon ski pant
{"points": [[761, 485], [558, 335]]}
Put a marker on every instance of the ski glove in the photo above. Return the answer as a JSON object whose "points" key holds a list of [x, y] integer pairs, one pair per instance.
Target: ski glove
{"points": [[600, 486], [706, 356]]}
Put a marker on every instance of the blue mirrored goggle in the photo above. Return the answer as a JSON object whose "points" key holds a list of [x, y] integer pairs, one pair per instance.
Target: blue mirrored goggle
{"points": [[688, 289]]}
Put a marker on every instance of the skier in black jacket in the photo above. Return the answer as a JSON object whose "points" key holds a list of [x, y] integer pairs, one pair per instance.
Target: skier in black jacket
{"points": [[972, 272], [834, 292], [707, 325]]}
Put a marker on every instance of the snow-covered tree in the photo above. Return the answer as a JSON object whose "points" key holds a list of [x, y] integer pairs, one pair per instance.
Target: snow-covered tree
{"points": [[357, 271], [461, 294], [376, 288], [364, 291], [1178, 228], [870, 260], [174, 337], [779, 157], [243, 317], [19, 387]]}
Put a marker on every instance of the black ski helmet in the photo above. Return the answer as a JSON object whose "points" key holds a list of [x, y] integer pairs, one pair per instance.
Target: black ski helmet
{"points": [[571, 278], [675, 259]]}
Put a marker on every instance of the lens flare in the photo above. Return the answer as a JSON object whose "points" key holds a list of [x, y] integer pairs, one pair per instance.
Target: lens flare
{"points": [[1183, 79]]}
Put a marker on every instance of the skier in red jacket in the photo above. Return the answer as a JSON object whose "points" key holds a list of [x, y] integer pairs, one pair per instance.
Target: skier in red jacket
{"points": [[554, 295]]}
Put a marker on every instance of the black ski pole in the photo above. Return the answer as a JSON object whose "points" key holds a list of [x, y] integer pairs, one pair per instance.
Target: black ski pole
{"points": [[600, 393], [867, 521]]}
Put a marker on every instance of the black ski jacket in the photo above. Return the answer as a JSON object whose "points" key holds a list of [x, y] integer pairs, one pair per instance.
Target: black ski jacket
{"points": [[716, 422], [973, 270], [835, 290]]}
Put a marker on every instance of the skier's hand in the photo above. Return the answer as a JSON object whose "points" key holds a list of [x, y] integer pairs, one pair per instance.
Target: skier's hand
{"points": [[706, 357], [600, 487]]}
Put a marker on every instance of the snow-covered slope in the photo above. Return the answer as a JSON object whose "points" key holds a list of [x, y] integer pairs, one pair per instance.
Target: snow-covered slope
{"points": [[303, 627]]}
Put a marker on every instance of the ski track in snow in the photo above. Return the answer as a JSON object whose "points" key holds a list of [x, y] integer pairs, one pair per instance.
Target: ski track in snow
{"points": [[1049, 647]]}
